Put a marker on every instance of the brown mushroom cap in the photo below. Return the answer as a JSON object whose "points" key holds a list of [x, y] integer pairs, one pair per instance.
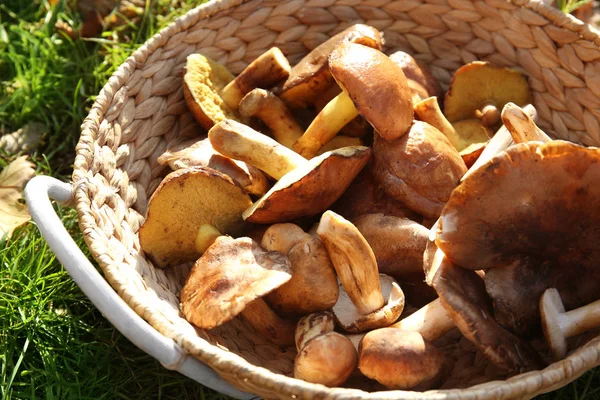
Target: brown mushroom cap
{"points": [[310, 78], [186, 200], [417, 72], [313, 325], [398, 359], [311, 188], [478, 84], [420, 169], [462, 293], [229, 275], [203, 82], [377, 87], [526, 218]]}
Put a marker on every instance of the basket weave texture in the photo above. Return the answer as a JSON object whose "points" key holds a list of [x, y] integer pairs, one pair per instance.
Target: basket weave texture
{"points": [[141, 110]]}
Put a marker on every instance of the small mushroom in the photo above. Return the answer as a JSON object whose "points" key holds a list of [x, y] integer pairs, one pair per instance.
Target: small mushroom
{"points": [[431, 321], [559, 325], [420, 80], [266, 71], [268, 324], [462, 293], [324, 356], [188, 210], [524, 218], [228, 278], [480, 90], [373, 86], [310, 78], [313, 286], [200, 153], [420, 169], [362, 304], [521, 126], [399, 359], [273, 112], [304, 187]]}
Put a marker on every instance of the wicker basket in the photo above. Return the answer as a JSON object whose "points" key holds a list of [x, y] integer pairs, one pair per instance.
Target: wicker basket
{"points": [[141, 109]]}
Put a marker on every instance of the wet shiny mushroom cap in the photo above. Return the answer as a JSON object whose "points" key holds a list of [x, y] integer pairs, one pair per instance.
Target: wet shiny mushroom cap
{"points": [[529, 218]]}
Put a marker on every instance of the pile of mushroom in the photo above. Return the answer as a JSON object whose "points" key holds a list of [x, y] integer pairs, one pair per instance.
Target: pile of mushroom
{"points": [[349, 210]]}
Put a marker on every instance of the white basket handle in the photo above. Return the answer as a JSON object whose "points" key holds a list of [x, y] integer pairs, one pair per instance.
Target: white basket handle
{"points": [[38, 193]]}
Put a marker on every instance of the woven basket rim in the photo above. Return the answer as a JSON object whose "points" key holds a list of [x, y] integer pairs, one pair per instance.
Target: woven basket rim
{"points": [[522, 386]]}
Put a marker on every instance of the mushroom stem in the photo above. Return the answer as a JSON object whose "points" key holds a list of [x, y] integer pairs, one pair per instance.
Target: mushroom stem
{"points": [[353, 261], [241, 142], [269, 325], [206, 236], [338, 142], [488, 114], [559, 325], [431, 321], [332, 118], [272, 111], [429, 111], [266, 71], [521, 126]]}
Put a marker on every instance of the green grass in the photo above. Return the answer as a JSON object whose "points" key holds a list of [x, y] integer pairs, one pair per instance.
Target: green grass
{"points": [[53, 343]]}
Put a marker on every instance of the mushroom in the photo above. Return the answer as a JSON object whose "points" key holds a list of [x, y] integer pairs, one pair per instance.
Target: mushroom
{"points": [[468, 136], [310, 78], [431, 321], [338, 142], [462, 293], [228, 279], [266, 71], [521, 126], [373, 86], [559, 325], [313, 286], [200, 153], [362, 304], [268, 324], [480, 90], [399, 359], [273, 112], [324, 356], [420, 80], [420, 169], [304, 187], [188, 210], [524, 218]]}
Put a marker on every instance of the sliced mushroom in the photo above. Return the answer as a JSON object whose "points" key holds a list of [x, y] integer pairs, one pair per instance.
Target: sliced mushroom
{"points": [[200, 153], [363, 304], [559, 325], [310, 78], [273, 112], [420, 169], [399, 359], [324, 356], [266, 71], [480, 90], [304, 187], [462, 293], [524, 217], [185, 211], [313, 286], [373, 86], [420, 80]]}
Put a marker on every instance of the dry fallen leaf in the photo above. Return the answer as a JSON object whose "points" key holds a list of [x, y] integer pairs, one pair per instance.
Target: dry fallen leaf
{"points": [[12, 181], [23, 140]]}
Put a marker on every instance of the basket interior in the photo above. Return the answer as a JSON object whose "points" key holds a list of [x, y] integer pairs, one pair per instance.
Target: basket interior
{"points": [[142, 110]]}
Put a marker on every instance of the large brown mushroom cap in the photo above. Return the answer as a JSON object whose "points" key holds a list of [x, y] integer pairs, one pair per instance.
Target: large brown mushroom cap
{"points": [[529, 218], [478, 84], [419, 169], [462, 293], [230, 275], [310, 188], [310, 78], [203, 82], [186, 200], [377, 87]]}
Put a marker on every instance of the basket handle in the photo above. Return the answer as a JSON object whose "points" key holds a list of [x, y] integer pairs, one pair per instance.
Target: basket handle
{"points": [[38, 193]]}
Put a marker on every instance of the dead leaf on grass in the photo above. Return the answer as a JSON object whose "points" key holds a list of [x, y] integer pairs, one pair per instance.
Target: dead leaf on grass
{"points": [[23, 140], [13, 178]]}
